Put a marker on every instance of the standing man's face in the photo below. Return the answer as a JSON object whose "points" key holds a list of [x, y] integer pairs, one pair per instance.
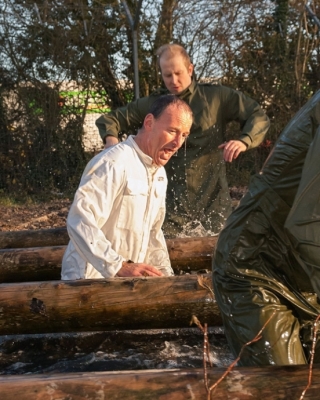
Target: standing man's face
{"points": [[167, 133], [176, 76]]}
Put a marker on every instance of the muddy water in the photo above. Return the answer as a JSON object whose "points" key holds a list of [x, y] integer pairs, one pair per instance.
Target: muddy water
{"points": [[110, 351]]}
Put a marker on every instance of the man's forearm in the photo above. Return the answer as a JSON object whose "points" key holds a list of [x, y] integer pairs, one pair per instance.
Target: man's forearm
{"points": [[259, 124], [107, 125], [110, 141]]}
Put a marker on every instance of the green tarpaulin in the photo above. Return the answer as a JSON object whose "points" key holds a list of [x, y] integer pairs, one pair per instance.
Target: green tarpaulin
{"points": [[268, 255]]}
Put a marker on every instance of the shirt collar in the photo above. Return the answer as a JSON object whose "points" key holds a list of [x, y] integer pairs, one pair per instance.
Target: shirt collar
{"points": [[189, 90], [147, 160]]}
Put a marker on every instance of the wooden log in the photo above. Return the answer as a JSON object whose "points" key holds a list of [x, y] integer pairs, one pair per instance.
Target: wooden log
{"points": [[44, 263], [241, 384], [192, 253], [59, 237], [34, 238], [106, 304], [31, 264]]}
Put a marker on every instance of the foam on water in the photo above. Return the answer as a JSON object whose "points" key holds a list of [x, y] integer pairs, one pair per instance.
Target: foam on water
{"points": [[111, 351]]}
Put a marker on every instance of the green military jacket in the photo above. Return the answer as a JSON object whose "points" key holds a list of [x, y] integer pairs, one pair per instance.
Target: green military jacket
{"points": [[197, 185]]}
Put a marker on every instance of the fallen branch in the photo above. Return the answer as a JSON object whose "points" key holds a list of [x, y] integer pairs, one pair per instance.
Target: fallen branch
{"points": [[206, 349], [231, 366], [313, 350]]}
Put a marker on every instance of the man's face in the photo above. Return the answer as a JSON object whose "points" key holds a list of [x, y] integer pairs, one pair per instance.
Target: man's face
{"points": [[176, 76], [167, 133]]}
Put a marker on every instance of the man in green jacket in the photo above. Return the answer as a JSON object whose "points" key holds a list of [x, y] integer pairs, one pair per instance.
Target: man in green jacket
{"points": [[198, 193]]}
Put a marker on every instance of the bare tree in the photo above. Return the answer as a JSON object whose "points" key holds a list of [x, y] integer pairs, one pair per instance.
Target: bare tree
{"points": [[269, 50]]}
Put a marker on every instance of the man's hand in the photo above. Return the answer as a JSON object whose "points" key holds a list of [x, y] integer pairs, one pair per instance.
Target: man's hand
{"points": [[139, 269], [232, 149], [110, 141]]}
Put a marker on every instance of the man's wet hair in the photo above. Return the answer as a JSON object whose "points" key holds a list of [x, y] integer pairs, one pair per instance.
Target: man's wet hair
{"points": [[163, 102], [171, 50]]}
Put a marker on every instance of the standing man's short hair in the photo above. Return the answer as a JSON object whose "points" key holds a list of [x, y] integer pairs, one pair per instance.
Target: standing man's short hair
{"points": [[173, 49]]}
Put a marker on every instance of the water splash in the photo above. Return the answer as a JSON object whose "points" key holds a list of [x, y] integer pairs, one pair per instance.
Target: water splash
{"points": [[195, 229]]}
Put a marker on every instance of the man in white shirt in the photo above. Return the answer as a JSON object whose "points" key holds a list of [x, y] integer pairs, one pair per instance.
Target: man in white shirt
{"points": [[119, 207]]}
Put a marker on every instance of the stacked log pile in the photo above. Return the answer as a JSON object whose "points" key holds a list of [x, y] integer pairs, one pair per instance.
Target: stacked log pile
{"points": [[34, 301], [36, 255]]}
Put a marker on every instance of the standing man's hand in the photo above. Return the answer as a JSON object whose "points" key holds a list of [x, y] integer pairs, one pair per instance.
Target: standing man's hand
{"points": [[232, 149], [110, 141], [138, 269]]}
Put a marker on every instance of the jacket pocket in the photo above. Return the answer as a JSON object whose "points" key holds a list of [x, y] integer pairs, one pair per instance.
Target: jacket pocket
{"points": [[133, 206], [160, 188]]}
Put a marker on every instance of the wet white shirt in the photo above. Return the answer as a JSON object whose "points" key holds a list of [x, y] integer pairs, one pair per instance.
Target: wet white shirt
{"points": [[116, 215]]}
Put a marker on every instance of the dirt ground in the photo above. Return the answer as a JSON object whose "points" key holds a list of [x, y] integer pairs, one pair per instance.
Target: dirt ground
{"points": [[35, 216], [54, 213]]}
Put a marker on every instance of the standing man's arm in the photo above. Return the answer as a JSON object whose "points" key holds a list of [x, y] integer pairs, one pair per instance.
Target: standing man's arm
{"points": [[253, 121], [232, 149], [123, 120]]}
